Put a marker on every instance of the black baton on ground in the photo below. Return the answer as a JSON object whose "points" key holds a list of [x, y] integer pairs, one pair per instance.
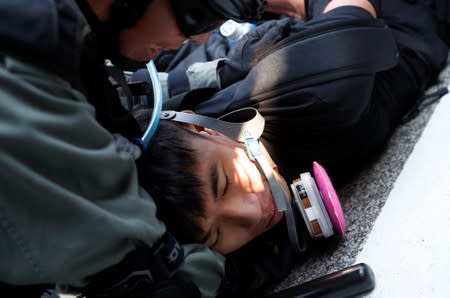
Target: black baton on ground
{"points": [[348, 282]]}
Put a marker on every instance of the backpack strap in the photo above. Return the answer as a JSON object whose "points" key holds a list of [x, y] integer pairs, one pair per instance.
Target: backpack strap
{"points": [[232, 124], [330, 51]]}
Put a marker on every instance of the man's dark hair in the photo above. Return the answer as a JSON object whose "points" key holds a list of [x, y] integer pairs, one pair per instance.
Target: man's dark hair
{"points": [[167, 171]]}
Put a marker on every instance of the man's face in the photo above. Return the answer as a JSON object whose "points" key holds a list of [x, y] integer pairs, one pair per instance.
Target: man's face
{"points": [[156, 30], [238, 201]]}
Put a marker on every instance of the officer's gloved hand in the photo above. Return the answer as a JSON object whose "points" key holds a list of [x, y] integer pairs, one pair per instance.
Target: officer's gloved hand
{"points": [[124, 146], [204, 267], [200, 275], [144, 274]]}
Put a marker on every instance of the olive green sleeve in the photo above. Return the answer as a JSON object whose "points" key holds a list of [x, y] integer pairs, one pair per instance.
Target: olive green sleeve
{"points": [[67, 196], [70, 203]]}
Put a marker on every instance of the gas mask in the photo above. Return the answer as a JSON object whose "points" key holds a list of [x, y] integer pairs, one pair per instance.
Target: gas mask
{"points": [[315, 199]]}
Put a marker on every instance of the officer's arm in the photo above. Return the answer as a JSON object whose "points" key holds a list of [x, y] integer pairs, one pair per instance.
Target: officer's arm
{"points": [[70, 205]]}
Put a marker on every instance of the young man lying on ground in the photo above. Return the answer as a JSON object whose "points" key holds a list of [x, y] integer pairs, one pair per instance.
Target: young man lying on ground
{"points": [[209, 190]]}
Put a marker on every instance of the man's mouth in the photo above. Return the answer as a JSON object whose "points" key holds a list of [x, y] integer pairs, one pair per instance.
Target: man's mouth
{"points": [[275, 216]]}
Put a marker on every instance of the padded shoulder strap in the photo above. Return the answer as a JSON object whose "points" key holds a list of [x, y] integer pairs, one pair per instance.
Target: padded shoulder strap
{"points": [[336, 49], [362, 46], [336, 46]]}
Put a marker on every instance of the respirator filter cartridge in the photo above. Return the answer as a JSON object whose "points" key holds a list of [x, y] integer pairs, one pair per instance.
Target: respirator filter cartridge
{"points": [[318, 203]]}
